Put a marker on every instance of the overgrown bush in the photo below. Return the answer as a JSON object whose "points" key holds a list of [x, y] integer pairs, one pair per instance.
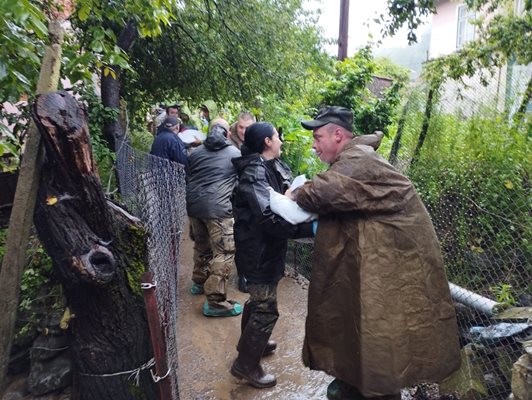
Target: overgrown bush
{"points": [[473, 176], [40, 294], [349, 88]]}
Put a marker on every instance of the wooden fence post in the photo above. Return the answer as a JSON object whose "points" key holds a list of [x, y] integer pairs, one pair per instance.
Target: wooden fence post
{"points": [[158, 339], [21, 218]]}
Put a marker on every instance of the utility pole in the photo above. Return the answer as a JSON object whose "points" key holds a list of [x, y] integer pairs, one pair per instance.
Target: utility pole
{"points": [[344, 28]]}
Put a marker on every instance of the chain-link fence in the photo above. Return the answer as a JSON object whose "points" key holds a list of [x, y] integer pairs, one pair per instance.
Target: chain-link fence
{"points": [[472, 171], [153, 189]]}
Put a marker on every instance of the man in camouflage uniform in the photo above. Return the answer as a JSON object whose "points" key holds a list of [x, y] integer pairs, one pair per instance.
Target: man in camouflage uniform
{"points": [[211, 179]]}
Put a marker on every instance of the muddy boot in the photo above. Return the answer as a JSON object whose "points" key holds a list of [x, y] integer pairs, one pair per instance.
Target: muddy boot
{"points": [[339, 390], [247, 365], [271, 346], [242, 284]]}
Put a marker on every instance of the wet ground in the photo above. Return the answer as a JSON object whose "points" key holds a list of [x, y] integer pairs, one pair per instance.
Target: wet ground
{"points": [[207, 346]]}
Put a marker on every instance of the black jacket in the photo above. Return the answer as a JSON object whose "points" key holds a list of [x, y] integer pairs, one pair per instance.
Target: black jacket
{"points": [[260, 235], [168, 145], [211, 177]]}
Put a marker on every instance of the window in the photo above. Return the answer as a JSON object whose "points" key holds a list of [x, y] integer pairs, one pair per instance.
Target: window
{"points": [[465, 29]]}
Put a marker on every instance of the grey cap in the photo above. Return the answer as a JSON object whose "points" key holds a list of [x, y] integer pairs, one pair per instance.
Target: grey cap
{"points": [[331, 115], [171, 121]]}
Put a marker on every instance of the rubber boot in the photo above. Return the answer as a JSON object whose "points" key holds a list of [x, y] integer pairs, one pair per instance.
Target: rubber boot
{"points": [[247, 365], [271, 346], [339, 390], [242, 284]]}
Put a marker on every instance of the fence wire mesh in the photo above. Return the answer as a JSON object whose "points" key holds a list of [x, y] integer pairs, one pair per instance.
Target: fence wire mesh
{"points": [[153, 189], [473, 174]]}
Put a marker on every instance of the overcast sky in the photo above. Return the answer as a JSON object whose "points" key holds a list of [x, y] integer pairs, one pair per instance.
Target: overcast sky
{"points": [[361, 24]]}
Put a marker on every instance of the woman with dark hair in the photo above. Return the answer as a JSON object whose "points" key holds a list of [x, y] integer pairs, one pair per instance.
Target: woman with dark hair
{"points": [[261, 244]]}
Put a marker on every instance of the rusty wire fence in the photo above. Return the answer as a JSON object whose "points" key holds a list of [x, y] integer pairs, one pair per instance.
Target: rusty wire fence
{"points": [[473, 173], [153, 189]]}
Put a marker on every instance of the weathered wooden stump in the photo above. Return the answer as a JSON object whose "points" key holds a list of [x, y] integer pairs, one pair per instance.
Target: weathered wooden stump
{"points": [[99, 254]]}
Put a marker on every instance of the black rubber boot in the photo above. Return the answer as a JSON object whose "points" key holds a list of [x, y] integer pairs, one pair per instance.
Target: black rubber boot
{"points": [[247, 365], [271, 346], [339, 390], [242, 284]]}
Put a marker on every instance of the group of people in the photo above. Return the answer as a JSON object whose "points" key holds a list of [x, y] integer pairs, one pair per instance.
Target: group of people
{"points": [[379, 316]]}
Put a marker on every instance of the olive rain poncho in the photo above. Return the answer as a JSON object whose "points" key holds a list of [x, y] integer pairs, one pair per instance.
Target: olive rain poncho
{"points": [[380, 315]]}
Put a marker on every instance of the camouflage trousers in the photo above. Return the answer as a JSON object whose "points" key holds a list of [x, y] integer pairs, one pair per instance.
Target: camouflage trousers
{"points": [[214, 254]]}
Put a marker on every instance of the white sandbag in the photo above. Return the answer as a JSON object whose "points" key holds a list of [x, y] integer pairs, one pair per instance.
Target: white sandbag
{"points": [[288, 209]]}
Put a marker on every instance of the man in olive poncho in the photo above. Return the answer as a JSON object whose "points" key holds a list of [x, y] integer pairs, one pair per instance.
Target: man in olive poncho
{"points": [[380, 315]]}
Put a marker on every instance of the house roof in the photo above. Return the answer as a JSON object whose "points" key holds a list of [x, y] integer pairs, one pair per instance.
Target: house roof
{"points": [[378, 85]]}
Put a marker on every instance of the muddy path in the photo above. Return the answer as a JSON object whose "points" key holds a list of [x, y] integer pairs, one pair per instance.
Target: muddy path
{"points": [[207, 346]]}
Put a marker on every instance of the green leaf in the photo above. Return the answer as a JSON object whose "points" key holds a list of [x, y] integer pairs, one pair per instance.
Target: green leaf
{"points": [[84, 12], [21, 77]]}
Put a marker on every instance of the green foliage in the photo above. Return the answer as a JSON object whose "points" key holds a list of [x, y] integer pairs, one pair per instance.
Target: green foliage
{"points": [[11, 136], [503, 294], [297, 151], [385, 67], [9, 150], [23, 28], [206, 49], [225, 52], [286, 117], [349, 88], [39, 294], [133, 246], [3, 237], [98, 114], [473, 176], [409, 12], [149, 17], [100, 29], [141, 140]]}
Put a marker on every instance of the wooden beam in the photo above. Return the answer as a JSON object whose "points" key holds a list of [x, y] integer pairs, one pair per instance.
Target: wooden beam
{"points": [[21, 218]]}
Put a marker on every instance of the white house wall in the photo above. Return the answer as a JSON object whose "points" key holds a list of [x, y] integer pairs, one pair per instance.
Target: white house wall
{"points": [[443, 29], [471, 97], [506, 85]]}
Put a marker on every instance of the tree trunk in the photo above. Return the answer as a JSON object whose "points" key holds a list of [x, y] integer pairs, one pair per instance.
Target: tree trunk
{"points": [[526, 99], [424, 127], [98, 252], [396, 146], [115, 130]]}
